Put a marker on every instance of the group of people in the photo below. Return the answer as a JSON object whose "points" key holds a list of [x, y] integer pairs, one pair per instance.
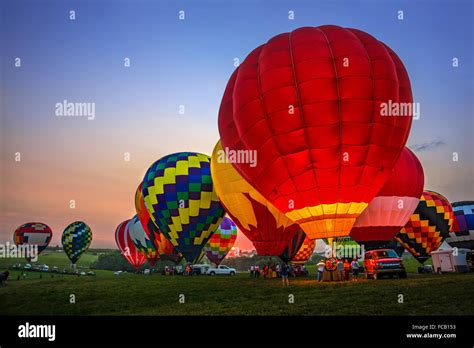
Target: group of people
{"points": [[268, 271], [272, 271], [335, 269]]}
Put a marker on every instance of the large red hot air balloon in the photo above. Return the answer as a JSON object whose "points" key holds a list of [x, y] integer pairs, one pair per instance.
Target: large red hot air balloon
{"points": [[311, 104], [126, 245], [393, 206]]}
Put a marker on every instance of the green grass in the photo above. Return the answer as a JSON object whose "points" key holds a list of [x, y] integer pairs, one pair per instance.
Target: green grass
{"points": [[130, 294], [105, 294]]}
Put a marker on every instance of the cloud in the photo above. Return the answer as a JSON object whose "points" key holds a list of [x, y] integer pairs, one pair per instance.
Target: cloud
{"points": [[427, 146]]}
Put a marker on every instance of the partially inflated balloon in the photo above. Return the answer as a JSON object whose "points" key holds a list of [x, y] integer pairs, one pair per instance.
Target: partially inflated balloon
{"points": [[390, 210], [462, 235], [164, 248], [143, 244], [127, 246], [268, 228], [295, 244], [180, 197], [76, 239], [33, 233], [221, 241], [305, 251], [429, 225], [319, 108]]}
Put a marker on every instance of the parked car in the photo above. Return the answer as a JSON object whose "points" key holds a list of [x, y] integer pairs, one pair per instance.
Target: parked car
{"points": [[55, 270], [200, 269], [27, 267], [44, 268], [221, 270], [90, 273], [381, 262]]}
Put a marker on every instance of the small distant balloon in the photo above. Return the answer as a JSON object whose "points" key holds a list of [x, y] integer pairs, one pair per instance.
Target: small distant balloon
{"points": [[76, 239]]}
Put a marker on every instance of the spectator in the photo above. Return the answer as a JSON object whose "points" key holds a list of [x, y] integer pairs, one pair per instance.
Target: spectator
{"points": [[257, 271], [320, 270], [4, 278], [355, 269], [252, 271], [278, 270], [340, 269], [347, 269], [284, 274], [265, 271]]}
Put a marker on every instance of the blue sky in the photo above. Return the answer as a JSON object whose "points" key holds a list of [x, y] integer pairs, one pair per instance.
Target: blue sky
{"points": [[188, 62]]}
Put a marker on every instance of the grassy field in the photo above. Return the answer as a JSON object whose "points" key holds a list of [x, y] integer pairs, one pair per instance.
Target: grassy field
{"points": [[130, 294]]}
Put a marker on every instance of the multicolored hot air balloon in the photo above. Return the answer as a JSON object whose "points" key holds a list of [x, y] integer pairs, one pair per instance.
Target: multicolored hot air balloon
{"points": [[164, 250], [221, 241], [76, 239], [127, 246], [268, 228], [143, 244], [393, 206], [305, 252], [33, 233], [462, 235], [292, 249], [429, 225], [180, 197], [315, 105]]}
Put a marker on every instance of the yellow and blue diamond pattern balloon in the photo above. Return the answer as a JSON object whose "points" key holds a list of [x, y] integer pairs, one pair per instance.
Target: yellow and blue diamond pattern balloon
{"points": [[76, 239], [180, 197]]}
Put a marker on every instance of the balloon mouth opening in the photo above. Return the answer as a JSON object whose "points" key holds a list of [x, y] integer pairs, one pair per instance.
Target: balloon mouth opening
{"points": [[328, 228]]}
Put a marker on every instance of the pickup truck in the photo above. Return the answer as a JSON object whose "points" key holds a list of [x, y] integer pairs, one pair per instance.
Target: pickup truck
{"points": [[220, 270], [383, 262]]}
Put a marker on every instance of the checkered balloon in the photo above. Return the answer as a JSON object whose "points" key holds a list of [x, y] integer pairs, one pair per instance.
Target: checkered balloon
{"points": [[180, 197], [293, 246], [164, 250], [33, 233], [305, 251], [462, 235], [76, 239], [221, 241], [429, 225]]}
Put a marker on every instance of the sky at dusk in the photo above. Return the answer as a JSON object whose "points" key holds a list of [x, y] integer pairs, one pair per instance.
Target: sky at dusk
{"points": [[188, 62]]}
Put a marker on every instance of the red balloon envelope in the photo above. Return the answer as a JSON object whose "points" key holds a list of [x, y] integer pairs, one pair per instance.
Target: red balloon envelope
{"points": [[310, 104], [126, 245], [393, 206]]}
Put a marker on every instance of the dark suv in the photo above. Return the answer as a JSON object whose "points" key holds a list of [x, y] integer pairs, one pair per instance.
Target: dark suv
{"points": [[383, 262]]}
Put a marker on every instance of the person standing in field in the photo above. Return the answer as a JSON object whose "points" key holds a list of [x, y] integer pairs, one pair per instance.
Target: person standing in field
{"points": [[340, 269], [347, 269], [252, 271], [355, 269], [4, 278], [320, 270], [284, 274]]}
